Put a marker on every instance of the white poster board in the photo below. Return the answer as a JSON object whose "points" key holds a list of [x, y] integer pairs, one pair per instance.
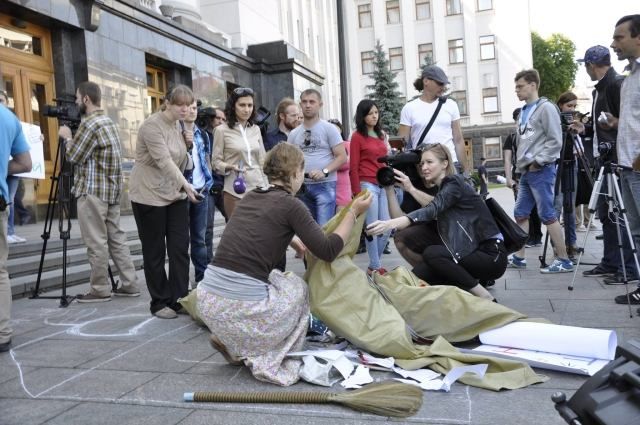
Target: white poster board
{"points": [[34, 138]]}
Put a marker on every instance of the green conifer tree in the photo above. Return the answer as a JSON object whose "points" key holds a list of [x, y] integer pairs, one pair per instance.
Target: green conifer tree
{"points": [[384, 91]]}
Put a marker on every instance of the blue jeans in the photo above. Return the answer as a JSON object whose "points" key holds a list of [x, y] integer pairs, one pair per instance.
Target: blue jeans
{"points": [[378, 210], [630, 191], [536, 188], [197, 231], [566, 207], [320, 198], [12, 182]]}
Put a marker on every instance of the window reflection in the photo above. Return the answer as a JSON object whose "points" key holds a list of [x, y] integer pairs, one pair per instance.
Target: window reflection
{"points": [[25, 43], [39, 99]]}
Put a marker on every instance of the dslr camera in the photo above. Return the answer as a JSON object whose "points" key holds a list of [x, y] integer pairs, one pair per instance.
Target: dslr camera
{"points": [[65, 110], [205, 114], [402, 161]]}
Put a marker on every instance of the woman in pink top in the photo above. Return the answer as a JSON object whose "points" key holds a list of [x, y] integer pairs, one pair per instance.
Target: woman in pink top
{"points": [[367, 145], [343, 185]]}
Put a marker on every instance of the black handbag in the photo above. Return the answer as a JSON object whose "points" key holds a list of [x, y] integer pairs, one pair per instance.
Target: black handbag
{"points": [[514, 236]]}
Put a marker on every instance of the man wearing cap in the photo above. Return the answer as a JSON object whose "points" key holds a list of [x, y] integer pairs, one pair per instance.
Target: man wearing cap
{"points": [[417, 114], [606, 98]]}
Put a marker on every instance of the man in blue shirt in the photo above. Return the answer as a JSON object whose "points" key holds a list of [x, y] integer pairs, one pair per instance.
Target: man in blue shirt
{"points": [[287, 119], [12, 142]]}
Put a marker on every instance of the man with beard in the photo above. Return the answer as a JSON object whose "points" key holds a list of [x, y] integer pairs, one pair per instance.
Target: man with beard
{"points": [[95, 151], [287, 118]]}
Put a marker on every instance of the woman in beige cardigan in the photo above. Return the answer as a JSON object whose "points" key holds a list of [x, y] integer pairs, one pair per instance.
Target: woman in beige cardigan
{"points": [[238, 150], [158, 193]]}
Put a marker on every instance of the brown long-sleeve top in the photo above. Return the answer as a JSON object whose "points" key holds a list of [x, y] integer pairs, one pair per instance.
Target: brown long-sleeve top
{"points": [[262, 226], [230, 147], [161, 155]]}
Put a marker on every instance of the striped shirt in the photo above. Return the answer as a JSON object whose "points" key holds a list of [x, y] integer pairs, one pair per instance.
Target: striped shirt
{"points": [[95, 151], [628, 143]]}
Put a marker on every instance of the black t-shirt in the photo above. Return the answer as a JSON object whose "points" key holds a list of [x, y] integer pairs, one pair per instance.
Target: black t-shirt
{"points": [[409, 204], [482, 171], [510, 144]]}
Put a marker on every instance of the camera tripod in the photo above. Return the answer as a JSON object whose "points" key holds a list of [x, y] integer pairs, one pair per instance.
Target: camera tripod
{"points": [[566, 175], [617, 211], [60, 201]]}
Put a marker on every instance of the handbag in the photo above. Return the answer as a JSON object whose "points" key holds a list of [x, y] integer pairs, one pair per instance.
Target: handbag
{"points": [[514, 236]]}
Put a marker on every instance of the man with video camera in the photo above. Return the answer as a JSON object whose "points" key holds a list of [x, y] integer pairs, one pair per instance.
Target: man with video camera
{"points": [[606, 99], [12, 143], [96, 153]]}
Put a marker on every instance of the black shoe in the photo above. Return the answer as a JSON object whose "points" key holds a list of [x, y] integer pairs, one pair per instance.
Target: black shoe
{"points": [[634, 298], [599, 237], [598, 271], [386, 250], [5, 346], [617, 279], [487, 283]]}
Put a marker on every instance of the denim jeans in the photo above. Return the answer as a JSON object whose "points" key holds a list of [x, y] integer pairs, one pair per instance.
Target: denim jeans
{"points": [[213, 202], [536, 188], [630, 191], [566, 207], [378, 210], [12, 182], [320, 198], [197, 231]]}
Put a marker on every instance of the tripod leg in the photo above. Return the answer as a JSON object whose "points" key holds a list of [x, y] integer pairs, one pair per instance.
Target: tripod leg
{"points": [[114, 283]]}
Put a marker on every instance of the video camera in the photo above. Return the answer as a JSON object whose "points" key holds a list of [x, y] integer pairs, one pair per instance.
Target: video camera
{"points": [[204, 116], [403, 161], [65, 110]]}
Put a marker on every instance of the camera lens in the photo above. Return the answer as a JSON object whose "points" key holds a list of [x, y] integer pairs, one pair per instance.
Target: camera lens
{"points": [[385, 176]]}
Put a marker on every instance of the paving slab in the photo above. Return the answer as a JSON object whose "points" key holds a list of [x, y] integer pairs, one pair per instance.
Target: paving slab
{"points": [[33, 412], [116, 414]]}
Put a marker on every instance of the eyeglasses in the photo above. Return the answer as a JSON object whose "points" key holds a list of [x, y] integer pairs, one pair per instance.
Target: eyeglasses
{"points": [[307, 137], [243, 91]]}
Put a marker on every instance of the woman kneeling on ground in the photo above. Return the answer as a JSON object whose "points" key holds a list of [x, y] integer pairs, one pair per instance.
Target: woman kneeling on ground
{"points": [[256, 313], [463, 242]]}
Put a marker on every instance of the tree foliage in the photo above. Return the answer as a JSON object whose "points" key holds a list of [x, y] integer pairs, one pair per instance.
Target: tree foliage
{"points": [[384, 91], [554, 58]]}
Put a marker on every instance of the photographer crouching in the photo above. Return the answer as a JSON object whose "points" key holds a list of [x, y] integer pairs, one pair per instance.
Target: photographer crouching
{"points": [[460, 241], [95, 151]]}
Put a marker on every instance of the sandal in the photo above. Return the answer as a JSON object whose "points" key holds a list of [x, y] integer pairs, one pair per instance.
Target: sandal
{"points": [[219, 346]]}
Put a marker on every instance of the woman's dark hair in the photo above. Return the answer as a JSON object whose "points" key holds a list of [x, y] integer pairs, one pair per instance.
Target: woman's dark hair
{"points": [[419, 84], [336, 122], [565, 98], [230, 106], [363, 109], [282, 162]]}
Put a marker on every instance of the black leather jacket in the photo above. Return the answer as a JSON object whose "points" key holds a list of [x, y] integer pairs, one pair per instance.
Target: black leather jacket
{"points": [[464, 221], [608, 89]]}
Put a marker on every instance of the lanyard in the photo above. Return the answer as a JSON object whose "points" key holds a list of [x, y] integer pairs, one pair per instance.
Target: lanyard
{"points": [[525, 117], [243, 131]]}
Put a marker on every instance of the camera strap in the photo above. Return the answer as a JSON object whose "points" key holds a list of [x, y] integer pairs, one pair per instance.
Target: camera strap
{"points": [[441, 101]]}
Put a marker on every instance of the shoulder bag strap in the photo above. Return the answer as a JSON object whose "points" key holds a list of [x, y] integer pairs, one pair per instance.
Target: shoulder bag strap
{"points": [[441, 101]]}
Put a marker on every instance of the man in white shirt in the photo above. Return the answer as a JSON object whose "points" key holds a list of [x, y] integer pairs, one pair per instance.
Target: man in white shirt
{"points": [[416, 114]]}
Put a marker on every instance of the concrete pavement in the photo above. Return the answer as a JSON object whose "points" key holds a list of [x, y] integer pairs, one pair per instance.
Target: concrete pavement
{"points": [[113, 363]]}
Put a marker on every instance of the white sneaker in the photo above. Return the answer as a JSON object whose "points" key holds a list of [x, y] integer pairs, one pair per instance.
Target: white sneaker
{"points": [[581, 228], [19, 238], [11, 239]]}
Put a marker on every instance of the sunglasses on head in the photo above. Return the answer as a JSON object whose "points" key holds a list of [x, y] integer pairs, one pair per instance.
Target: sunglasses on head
{"points": [[307, 137], [243, 91]]}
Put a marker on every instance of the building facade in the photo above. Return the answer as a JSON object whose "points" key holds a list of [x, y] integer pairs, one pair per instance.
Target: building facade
{"points": [[480, 44], [137, 49]]}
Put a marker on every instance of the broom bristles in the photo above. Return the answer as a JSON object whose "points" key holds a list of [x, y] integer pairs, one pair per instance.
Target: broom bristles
{"points": [[384, 398]]}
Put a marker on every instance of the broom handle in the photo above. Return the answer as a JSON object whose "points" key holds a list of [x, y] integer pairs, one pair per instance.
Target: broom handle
{"points": [[265, 397]]}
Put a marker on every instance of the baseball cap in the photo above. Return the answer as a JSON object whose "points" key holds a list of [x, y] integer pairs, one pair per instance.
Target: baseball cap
{"points": [[598, 55], [435, 73]]}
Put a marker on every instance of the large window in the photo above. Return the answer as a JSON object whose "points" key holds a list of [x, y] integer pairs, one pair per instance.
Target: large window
{"points": [[425, 54], [156, 88], [396, 62], [367, 62], [423, 9], [454, 7], [487, 47], [490, 99], [461, 99], [364, 15], [485, 5], [393, 12], [492, 148], [456, 51]]}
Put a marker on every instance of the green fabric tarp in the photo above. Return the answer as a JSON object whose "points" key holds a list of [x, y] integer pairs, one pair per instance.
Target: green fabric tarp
{"points": [[377, 316]]}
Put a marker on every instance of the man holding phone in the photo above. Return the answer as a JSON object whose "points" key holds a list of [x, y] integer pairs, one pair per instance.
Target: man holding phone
{"points": [[201, 180]]}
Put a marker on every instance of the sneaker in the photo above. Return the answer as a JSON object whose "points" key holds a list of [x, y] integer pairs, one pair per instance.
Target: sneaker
{"points": [[598, 271], [599, 237], [558, 266], [533, 243], [517, 262], [5, 346], [11, 239], [634, 298], [371, 271], [386, 250], [126, 292], [90, 298], [19, 239], [617, 279], [165, 313], [581, 228], [487, 283]]}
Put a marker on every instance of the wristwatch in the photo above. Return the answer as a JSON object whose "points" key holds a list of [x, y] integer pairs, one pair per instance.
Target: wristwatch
{"points": [[326, 172]]}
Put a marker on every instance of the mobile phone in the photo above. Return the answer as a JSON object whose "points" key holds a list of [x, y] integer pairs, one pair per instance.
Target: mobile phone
{"points": [[199, 196]]}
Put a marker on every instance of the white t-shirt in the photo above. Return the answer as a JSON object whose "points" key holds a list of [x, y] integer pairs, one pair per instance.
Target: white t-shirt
{"points": [[417, 114]]}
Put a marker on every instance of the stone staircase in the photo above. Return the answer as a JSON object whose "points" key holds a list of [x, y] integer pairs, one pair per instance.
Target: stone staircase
{"points": [[24, 258]]}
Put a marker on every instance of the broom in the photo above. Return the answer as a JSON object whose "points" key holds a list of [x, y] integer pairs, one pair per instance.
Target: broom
{"points": [[384, 398]]}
